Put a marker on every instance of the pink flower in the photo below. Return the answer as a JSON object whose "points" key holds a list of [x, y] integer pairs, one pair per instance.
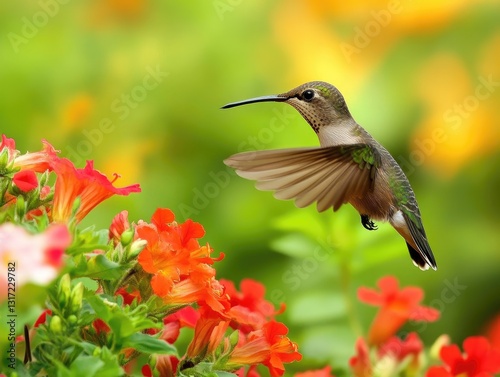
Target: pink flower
{"points": [[33, 258]]}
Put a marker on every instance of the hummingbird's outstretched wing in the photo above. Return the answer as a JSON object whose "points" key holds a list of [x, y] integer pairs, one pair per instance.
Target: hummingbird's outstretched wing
{"points": [[327, 175]]}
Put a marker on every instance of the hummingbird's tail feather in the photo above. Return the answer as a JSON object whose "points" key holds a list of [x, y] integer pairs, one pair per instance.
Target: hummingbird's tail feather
{"points": [[417, 259], [328, 176], [422, 248]]}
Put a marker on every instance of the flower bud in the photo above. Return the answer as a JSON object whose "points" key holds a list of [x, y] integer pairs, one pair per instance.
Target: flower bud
{"points": [[20, 207], [44, 178], [234, 338], [442, 340], [136, 248], [4, 158], [55, 325], [127, 237], [64, 291], [76, 298], [72, 319]]}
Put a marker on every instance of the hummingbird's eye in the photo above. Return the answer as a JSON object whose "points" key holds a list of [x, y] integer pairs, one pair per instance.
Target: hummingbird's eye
{"points": [[308, 95]]}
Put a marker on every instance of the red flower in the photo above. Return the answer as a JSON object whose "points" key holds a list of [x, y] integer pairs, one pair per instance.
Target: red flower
{"points": [[129, 297], [146, 371], [7, 142], [181, 268], [100, 327], [325, 372], [167, 365], [397, 306], [400, 349], [42, 318], [88, 184], [26, 180], [208, 333], [268, 346], [361, 364], [10, 145], [119, 224], [187, 291], [38, 161], [249, 310], [251, 372], [493, 332], [185, 317], [479, 360]]}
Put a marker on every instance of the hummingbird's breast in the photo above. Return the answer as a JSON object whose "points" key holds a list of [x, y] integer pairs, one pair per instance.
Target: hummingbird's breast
{"points": [[338, 134]]}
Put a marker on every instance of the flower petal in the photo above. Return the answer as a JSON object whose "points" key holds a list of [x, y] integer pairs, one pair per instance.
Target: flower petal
{"points": [[26, 180]]}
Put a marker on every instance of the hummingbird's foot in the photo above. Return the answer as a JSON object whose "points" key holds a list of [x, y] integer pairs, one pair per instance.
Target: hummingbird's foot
{"points": [[367, 223]]}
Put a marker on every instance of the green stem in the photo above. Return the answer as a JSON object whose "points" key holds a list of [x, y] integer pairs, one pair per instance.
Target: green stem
{"points": [[345, 282]]}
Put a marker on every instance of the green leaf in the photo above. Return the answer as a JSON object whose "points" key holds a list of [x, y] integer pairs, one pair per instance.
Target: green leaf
{"points": [[89, 284], [149, 344], [121, 325], [100, 267], [205, 370], [88, 240], [102, 309], [95, 366], [221, 373]]}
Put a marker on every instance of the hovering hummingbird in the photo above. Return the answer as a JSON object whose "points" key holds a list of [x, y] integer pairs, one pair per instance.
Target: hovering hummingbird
{"points": [[350, 166]]}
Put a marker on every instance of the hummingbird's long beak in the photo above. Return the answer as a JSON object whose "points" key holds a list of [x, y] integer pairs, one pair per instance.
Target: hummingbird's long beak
{"points": [[272, 98]]}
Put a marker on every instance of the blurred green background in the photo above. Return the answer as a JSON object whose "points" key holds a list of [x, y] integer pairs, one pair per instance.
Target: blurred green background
{"points": [[137, 86]]}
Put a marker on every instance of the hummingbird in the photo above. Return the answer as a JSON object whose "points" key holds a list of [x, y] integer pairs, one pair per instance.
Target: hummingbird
{"points": [[349, 166]]}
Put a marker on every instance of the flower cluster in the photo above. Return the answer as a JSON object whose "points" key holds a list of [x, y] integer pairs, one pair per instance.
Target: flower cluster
{"points": [[115, 301], [383, 353], [231, 329], [118, 299]]}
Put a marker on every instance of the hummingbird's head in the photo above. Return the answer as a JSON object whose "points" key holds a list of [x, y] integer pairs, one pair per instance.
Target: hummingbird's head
{"points": [[318, 102]]}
